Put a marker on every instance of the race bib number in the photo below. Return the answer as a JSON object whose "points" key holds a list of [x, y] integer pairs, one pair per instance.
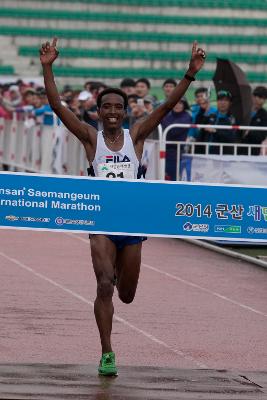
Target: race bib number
{"points": [[116, 170]]}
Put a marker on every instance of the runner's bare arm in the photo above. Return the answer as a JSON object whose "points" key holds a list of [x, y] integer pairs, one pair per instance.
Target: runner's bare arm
{"points": [[141, 130], [83, 131]]}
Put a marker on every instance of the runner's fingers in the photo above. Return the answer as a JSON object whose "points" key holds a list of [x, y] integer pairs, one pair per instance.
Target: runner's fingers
{"points": [[201, 52], [54, 42], [194, 47]]}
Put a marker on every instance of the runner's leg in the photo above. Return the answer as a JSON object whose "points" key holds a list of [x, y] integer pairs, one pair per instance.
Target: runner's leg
{"points": [[103, 252], [128, 263]]}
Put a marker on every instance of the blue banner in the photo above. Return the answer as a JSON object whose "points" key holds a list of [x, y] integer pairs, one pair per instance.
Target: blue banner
{"points": [[150, 208]]}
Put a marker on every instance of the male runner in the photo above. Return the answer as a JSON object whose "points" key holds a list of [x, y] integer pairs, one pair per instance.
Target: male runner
{"points": [[113, 254]]}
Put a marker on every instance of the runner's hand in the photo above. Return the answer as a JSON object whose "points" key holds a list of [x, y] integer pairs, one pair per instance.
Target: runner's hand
{"points": [[48, 52], [197, 59]]}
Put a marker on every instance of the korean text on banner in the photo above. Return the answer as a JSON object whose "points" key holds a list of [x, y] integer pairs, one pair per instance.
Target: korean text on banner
{"points": [[151, 208]]}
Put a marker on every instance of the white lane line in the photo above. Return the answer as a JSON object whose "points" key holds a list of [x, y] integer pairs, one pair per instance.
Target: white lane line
{"points": [[116, 317], [220, 296], [186, 282]]}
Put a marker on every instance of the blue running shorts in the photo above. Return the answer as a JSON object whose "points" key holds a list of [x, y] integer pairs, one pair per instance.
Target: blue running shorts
{"points": [[121, 241]]}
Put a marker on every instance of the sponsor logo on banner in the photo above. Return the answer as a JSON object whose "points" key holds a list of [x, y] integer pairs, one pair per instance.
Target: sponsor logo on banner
{"points": [[11, 218], [227, 228], [195, 227], [64, 221], [32, 219], [26, 219], [59, 221], [251, 230]]}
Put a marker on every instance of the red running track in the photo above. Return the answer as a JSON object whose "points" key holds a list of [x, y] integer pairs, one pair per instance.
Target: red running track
{"points": [[193, 308]]}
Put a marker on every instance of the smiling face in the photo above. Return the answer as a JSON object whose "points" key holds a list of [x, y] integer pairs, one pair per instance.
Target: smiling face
{"points": [[141, 89], [112, 111]]}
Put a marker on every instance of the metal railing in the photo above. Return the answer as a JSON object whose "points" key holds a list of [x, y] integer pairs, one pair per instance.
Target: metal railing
{"points": [[191, 146]]}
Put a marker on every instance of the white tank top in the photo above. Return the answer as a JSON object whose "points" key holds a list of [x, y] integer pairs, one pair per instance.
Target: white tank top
{"points": [[116, 164]]}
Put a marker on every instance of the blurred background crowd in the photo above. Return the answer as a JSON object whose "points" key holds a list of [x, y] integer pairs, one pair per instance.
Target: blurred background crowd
{"points": [[30, 100]]}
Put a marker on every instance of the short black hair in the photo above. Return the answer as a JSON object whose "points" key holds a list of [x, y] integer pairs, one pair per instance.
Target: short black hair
{"points": [[143, 80], [109, 91], [169, 81], [132, 96], [260, 91], [41, 91], [201, 90], [127, 82], [67, 88], [185, 103]]}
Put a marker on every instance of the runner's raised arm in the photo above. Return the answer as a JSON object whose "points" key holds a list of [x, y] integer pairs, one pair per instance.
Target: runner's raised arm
{"points": [[84, 132], [141, 130]]}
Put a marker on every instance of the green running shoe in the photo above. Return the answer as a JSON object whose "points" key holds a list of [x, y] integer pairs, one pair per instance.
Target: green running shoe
{"points": [[107, 366]]}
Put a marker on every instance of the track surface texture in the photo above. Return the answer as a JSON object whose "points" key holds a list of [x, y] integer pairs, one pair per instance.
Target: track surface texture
{"points": [[196, 329]]}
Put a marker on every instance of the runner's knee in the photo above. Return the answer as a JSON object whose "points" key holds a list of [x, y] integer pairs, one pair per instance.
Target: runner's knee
{"points": [[127, 297], [105, 287]]}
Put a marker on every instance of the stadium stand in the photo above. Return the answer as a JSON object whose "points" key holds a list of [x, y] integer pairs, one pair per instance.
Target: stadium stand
{"points": [[30, 51], [238, 4], [140, 39], [6, 70], [129, 18]]}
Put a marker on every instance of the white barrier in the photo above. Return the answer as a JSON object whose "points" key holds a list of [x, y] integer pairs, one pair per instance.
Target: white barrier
{"points": [[26, 145], [192, 145]]}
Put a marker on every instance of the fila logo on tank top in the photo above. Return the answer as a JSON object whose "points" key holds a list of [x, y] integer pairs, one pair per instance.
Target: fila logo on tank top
{"points": [[116, 164]]}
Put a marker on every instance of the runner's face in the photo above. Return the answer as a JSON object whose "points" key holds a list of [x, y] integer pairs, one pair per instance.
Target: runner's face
{"points": [[112, 111]]}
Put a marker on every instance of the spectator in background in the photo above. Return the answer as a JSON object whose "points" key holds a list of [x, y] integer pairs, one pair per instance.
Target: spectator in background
{"points": [[15, 98], [11, 98], [137, 110], [200, 94], [127, 85], [47, 119], [90, 115], [96, 88], [87, 85], [168, 86], [66, 93], [132, 99], [222, 116], [31, 98], [258, 118], [201, 116], [4, 113], [87, 105], [180, 114], [142, 87], [149, 104], [74, 104]]}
